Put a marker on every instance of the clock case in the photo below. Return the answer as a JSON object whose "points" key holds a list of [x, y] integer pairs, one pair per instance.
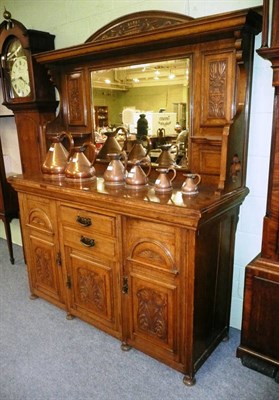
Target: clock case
{"points": [[33, 111], [33, 42]]}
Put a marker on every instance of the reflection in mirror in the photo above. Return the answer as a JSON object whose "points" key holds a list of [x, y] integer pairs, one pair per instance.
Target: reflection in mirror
{"points": [[151, 103]]}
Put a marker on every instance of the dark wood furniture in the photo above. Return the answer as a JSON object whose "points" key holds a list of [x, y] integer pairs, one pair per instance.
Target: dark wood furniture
{"points": [[153, 271], [9, 207], [101, 116], [259, 347], [33, 110]]}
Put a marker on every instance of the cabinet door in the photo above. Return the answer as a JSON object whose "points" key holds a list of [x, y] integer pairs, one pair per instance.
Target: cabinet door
{"points": [[151, 288], [42, 248], [92, 286]]}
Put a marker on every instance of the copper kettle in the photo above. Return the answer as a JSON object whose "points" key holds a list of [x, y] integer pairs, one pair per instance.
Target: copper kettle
{"points": [[57, 156], [136, 177], [115, 173], [111, 144], [139, 151], [79, 168], [166, 159]]}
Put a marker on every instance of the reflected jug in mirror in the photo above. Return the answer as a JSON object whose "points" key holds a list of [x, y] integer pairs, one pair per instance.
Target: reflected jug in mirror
{"points": [[138, 151], [166, 158], [190, 185], [136, 177], [163, 183], [79, 168], [111, 144], [57, 156], [115, 173]]}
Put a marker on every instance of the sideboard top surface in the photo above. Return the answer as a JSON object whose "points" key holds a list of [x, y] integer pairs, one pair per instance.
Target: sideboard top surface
{"points": [[174, 207]]}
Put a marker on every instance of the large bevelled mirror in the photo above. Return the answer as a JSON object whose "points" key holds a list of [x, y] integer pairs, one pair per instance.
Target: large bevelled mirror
{"points": [[159, 90]]}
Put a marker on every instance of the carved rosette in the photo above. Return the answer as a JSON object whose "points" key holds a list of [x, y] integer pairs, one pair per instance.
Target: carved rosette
{"points": [[217, 89], [91, 289], [43, 266], [152, 312]]}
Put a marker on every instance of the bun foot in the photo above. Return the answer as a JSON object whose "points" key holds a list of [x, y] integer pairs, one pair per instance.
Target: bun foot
{"points": [[189, 381], [226, 338], [33, 296], [125, 347], [69, 317]]}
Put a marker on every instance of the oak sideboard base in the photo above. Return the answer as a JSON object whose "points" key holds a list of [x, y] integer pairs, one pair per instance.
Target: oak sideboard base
{"points": [[158, 277]]}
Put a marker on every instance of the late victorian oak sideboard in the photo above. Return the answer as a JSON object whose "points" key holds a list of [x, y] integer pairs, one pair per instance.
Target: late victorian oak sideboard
{"points": [[154, 271]]}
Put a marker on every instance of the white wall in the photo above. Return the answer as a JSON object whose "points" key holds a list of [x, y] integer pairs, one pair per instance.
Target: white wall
{"points": [[74, 21]]}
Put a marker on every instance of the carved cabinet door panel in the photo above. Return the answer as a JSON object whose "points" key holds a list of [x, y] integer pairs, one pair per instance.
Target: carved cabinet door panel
{"points": [[151, 289], [40, 236], [92, 293]]}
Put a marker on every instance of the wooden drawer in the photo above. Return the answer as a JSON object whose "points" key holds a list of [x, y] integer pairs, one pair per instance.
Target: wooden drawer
{"points": [[90, 221], [92, 243]]}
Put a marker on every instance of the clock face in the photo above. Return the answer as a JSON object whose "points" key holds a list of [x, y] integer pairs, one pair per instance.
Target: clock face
{"points": [[18, 70], [20, 77]]}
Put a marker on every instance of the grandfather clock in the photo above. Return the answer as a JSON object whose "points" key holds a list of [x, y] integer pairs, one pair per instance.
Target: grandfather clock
{"points": [[27, 90], [259, 347]]}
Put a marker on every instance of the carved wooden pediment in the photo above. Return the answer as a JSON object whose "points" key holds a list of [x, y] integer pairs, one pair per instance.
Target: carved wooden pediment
{"points": [[137, 24]]}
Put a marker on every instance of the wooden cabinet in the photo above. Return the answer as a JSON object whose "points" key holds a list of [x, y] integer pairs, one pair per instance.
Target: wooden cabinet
{"points": [[8, 204], [101, 116], [154, 271], [156, 276], [259, 347]]}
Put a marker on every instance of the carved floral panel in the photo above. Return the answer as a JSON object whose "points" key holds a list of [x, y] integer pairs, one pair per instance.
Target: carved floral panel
{"points": [[152, 312], [91, 290], [76, 93], [43, 266], [217, 88]]}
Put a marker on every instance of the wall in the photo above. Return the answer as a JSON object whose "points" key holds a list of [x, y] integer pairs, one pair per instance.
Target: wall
{"points": [[74, 21]]}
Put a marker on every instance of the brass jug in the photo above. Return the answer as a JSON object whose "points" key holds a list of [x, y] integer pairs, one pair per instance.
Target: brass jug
{"points": [[190, 185], [111, 144], [79, 168], [163, 183], [57, 156], [115, 173], [165, 159], [136, 177], [138, 151]]}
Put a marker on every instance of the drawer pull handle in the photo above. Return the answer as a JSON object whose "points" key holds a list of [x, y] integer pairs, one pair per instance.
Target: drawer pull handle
{"points": [[84, 221], [87, 241]]}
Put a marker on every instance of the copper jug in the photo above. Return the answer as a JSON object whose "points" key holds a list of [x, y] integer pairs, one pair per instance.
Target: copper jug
{"points": [[190, 185], [115, 173], [138, 151], [79, 168], [136, 177], [57, 156], [163, 183], [165, 159], [111, 144]]}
